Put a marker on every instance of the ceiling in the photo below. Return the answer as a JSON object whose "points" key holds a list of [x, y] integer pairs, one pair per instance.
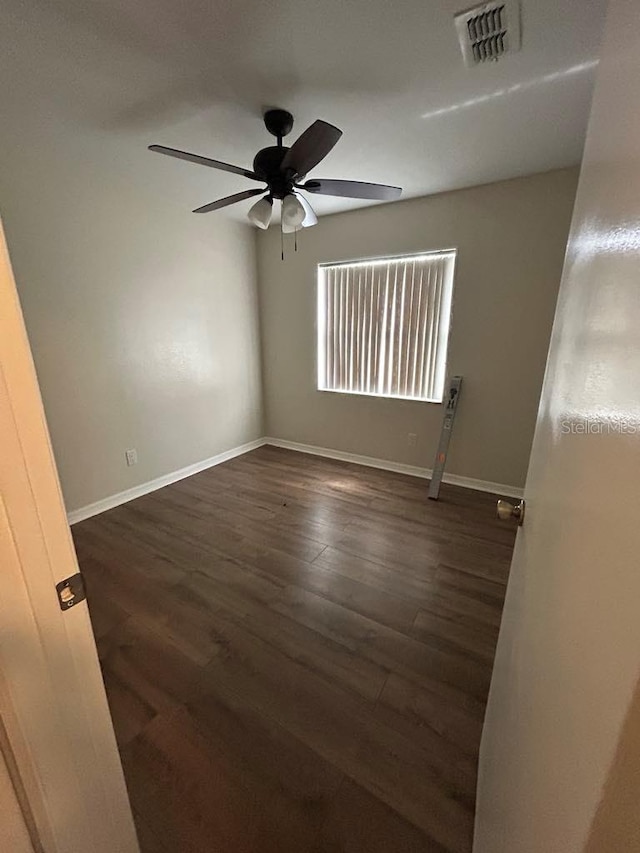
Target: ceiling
{"points": [[105, 78]]}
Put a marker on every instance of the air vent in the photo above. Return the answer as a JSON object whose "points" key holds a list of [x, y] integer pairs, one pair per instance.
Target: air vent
{"points": [[488, 31]]}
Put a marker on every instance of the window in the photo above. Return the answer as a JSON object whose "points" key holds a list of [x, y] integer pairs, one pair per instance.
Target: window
{"points": [[383, 326]]}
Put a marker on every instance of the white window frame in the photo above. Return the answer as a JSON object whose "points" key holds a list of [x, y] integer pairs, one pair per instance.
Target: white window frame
{"points": [[442, 344]]}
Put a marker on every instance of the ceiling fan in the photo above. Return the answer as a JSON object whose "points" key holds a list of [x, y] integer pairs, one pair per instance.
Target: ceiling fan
{"points": [[282, 169]]}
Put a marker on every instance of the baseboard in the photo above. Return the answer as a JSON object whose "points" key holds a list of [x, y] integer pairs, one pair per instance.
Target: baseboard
{"points": [[399, 467], [112, 501]]}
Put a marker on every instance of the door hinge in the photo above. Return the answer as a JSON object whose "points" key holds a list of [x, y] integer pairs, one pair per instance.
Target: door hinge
{"points": [[71, 591]]}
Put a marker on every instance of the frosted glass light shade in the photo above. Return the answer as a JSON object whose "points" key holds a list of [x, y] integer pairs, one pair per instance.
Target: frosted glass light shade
{"points": [[310, 217], [293, 213], [260, 213]]}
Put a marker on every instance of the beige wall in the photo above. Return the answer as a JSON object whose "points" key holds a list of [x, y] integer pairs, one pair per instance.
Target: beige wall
{"points": [[142, 317], [511, 238]]}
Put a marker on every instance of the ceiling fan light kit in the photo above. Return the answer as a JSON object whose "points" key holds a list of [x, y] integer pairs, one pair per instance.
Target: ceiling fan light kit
{"points": [[293, 213], [282, 169], [260, 213]]}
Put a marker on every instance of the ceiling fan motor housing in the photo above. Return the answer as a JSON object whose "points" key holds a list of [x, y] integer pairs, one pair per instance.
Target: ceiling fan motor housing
{"points": [[266, 165]]}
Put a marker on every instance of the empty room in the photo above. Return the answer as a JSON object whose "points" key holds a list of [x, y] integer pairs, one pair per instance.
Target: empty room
{"points": [[316, 520]]}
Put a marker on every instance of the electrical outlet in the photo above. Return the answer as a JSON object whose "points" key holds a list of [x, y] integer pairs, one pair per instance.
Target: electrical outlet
{"points": [[412, 439], [131, 456]]}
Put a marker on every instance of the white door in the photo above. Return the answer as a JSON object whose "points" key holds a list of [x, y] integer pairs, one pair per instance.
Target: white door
{"points": [[56, 736], [14, 832], [563, 711]]}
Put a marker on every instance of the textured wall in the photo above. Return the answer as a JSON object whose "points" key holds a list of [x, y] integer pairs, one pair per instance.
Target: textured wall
{"points": [[142, 318]]}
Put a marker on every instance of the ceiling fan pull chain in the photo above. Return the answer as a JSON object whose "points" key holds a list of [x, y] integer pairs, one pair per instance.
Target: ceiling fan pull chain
{"points": [[295, 240], [281, 242]]}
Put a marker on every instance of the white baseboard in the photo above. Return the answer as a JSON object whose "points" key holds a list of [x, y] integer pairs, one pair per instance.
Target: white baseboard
{"points": [[144, 488], [112, 501], [399, 467]]}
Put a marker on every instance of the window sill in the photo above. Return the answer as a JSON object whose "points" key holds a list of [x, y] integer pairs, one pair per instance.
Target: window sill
{"points": [[381, 396]]}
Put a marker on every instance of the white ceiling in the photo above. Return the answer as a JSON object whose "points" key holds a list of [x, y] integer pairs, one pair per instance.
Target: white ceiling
{"points": [[105, 78]]}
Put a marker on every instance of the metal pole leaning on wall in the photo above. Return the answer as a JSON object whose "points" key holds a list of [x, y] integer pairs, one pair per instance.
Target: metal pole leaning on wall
{"points": [[453, 396]]}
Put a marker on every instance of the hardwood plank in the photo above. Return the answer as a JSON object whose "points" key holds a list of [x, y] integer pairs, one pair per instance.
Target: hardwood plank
{"points": [[430, 789], [149, 840], [145, 674], [106, 613], [384, 646], [200, 800], [297, 654], [450, 629], [266, 752], [262, 563], [359, 822], [261, 532], [321, 714], [400, 774], [413, 587], [432, 708], [316, 652]]}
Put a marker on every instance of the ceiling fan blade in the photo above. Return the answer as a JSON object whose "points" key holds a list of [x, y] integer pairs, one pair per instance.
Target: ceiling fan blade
{"points": [[352, 189], [310, 148], [230, 199], [204, 161], [310, 217]]}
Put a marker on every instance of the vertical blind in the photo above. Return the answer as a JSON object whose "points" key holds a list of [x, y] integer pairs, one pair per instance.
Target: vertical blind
{"points": [[383, 325]]}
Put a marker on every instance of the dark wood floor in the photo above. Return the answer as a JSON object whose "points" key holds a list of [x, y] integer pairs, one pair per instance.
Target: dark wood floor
{"points": [[297, 654]]}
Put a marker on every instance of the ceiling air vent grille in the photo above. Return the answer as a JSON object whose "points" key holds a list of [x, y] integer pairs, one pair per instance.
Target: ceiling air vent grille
{"points": [[488, 31]]}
